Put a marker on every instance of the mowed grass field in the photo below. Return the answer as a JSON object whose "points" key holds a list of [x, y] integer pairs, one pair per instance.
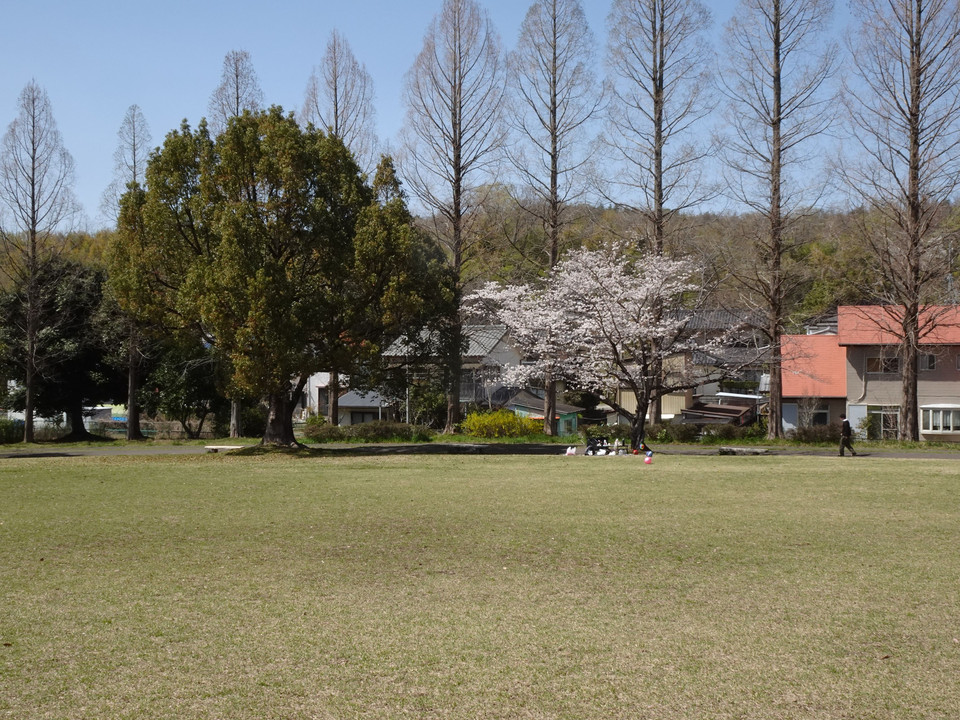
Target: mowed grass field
{"points": [[479, 587]]}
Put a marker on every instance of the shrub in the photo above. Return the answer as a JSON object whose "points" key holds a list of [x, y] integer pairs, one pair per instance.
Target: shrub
{"points": [[11, 431], [253, 419], [321, 433], [611, 432], [817, 434], [313, 424], [722, 432], [726, 432], [385, 431], [378, 431], [674, 432], [499, 424]]}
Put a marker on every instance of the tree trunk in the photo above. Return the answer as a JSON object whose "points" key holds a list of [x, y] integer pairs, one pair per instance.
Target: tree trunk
{"points": [[29, 375], [333, 398], [550, 406], [236, 421], [133, 384], [637, 431], [638, 427], [279, 429], [909, 425], [78, 430], [454, 372], [28, 436]]}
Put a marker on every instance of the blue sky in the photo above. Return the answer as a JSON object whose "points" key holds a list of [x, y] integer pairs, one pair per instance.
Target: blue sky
{"points": [[97, 58]]}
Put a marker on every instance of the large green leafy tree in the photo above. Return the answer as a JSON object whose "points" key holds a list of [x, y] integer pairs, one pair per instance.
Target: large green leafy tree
{"points": [[76, 373], [402, 284], [182, 384], [249, 242]]}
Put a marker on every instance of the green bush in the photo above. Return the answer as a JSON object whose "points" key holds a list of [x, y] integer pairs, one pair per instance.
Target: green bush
{"points": [[379, 431], [721, 432], [611, 432], [313, 424], [253, 419], [499, 424], [817, 434], [674, 433], [385, 431], [726, 432], [322, 433], [11, 431]]}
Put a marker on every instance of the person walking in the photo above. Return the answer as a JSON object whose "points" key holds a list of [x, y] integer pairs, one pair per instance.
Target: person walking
{"points": [[846, 434]]}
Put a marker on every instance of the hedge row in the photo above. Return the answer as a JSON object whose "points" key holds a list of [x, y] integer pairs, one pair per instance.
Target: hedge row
{"points": [[377, 431]]}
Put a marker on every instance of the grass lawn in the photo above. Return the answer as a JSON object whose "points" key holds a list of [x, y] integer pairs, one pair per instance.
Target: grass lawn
{"points": [[479, 587]]}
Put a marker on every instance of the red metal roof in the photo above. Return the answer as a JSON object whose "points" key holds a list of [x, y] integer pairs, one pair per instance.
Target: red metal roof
{"points": [[814, 366], [879, 325]]}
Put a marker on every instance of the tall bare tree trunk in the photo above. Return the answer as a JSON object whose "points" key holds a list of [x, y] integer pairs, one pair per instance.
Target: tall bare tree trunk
{"points": [[454, 95], [557, 97], [36, 173], [775, 84], [660, 92], [904, 113]]}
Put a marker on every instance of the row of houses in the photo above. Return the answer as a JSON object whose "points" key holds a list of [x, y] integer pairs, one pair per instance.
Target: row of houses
{"points": [[850, 365], [856, 368]]}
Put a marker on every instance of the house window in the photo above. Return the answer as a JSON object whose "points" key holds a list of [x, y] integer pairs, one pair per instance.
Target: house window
{"points": [[940, 420], [884, 422], [883, 365], [812, 412], [928, 362]]}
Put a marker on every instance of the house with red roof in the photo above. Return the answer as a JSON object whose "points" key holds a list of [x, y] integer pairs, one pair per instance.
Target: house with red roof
{"points": [[814, 380], [860, 368]]}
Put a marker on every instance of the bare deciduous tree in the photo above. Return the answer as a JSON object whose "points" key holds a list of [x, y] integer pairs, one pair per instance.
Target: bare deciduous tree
{"points": [[659, 62], [557, 96], [904, 109], [339, 99], [454, 94], [129, 159], [36, 175], [776, 77], [129, 166], [239, 90]]}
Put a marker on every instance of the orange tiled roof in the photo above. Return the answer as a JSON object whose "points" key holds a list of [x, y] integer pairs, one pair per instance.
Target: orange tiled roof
{"points": [[878, 325], [814, 366]]}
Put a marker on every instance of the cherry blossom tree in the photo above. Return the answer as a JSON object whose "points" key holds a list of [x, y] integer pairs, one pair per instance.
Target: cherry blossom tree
{"points": [[606, 320]]}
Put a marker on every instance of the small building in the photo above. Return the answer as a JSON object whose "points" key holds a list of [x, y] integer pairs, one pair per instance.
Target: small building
{"points": [[356, 408], [489, 349], [526, 404], [814, 380]]}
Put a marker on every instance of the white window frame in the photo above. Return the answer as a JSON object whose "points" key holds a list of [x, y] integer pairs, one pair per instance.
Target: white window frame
{"points": [[940, 419], [927, 362]]}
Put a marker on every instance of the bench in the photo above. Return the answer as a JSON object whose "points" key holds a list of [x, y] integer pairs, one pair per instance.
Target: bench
{"points": [[218, 448]]}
